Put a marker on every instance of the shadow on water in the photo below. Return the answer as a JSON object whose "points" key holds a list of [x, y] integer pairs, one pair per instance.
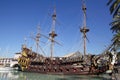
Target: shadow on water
{"points": [[15, 75]]}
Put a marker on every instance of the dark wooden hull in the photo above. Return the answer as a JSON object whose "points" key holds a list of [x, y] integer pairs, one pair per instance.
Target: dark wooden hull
{"points": [[57, 65], [65, 73], [66, 70]]}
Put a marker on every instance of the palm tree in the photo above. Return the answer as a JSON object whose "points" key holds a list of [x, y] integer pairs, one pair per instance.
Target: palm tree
{"points": [[115, 10], [116, 40], [114, 6], [115, 25]]}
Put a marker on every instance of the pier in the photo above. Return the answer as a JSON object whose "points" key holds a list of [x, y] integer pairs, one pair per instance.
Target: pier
{"points": [[10, 62]]}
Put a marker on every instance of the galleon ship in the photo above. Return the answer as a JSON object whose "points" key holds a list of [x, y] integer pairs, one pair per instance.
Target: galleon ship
{"points": [[84, 64]]}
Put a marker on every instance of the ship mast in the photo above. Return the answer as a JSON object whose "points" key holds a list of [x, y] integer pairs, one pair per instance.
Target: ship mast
{"points": [[37, 39], [84, 28], [53, 34]]}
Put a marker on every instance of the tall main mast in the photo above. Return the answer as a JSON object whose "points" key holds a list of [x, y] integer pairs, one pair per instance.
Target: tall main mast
{"points": [[53, 34], [84, 28]]}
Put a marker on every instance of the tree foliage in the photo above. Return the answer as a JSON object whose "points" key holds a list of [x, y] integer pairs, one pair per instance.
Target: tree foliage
{"points": [[115, 25], [114, 6]]}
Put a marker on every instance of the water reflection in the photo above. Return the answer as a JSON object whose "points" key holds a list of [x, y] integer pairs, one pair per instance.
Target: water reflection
{"points": [[15, 75]]}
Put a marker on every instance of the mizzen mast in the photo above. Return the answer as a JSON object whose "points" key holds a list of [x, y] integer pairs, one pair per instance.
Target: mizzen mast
{"points": [[84, 28], [53, 34]]}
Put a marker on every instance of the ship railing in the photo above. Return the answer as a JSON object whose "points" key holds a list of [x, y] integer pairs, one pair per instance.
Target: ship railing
{"points": [[67, 59]]}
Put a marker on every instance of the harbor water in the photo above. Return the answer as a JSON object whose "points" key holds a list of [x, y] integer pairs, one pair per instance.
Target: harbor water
{"points": [[16, 75]]}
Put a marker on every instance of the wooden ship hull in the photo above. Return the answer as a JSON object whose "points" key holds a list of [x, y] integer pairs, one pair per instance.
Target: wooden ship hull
{"points": [[32, 62]]}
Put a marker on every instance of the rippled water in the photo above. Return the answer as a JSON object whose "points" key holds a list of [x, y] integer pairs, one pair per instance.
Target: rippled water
{"points": [[15, 75]]}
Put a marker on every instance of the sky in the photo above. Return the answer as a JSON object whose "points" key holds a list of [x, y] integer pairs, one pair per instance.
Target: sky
{"points": [[19, 20]]}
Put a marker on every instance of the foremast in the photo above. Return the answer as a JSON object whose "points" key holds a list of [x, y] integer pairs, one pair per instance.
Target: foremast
{"points": [[84, 28], [53, 34], [38, 39]]}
